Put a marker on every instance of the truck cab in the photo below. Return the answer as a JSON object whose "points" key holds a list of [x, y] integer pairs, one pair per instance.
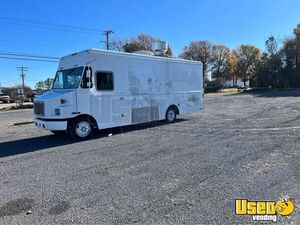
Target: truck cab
{"points": [[56, 110]]}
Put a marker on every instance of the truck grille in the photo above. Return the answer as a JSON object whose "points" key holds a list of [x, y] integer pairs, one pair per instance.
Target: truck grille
{"points": [[39, 108]]}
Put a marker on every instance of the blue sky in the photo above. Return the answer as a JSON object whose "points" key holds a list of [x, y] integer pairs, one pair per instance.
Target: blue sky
{"points": [[229, 22]]}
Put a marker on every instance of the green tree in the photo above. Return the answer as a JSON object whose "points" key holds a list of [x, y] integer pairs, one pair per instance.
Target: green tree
{"points": [[291, 54], [291, 65], [274, 63], [269, 66], [262, 71], [280, 67], [248, 57], [297, 46]]}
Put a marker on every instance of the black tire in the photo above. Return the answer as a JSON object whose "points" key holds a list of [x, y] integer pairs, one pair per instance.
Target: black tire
{"points": [[171, 114], [58, 132], [81, 129]]}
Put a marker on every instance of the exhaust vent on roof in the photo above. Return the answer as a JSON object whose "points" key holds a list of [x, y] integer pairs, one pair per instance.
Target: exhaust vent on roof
{"points": [[160, 48]]}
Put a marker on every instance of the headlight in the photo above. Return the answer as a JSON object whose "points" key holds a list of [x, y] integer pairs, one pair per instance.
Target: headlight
{"points": [[57, 112]]}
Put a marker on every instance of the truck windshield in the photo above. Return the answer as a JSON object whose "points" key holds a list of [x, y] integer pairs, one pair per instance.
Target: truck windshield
{"points": [[67, 79]]}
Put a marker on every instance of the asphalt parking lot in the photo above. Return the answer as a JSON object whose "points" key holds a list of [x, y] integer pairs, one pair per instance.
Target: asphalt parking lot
{"points": [[189, 172]]}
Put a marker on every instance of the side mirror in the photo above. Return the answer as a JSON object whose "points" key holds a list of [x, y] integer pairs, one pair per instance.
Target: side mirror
{"points": [[89, 78], [88, 74]]}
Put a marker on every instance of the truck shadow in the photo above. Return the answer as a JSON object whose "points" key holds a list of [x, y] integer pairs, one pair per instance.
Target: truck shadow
{"points": [[16, 147]]}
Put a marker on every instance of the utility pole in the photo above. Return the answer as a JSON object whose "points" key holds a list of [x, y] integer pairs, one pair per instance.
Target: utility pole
{"points": [[22, 69], [107, 33]]}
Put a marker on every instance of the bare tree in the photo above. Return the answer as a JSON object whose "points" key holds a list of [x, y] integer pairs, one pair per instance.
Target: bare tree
{"points": [[40, 86], [118, 44], [145, 41], [133, 46], [48, 83], [141, 42], [199, 51], [44, 85], [219, 56], [13, 91]]}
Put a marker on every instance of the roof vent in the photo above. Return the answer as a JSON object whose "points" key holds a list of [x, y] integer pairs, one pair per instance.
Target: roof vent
{"points": [[160, 48]]}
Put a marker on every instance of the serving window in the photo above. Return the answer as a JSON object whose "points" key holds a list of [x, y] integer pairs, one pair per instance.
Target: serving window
{"points": [[104, 81]]}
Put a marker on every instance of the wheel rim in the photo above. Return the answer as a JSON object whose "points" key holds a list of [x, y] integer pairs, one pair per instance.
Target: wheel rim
{"points": [[83, 129], [171, 115]]}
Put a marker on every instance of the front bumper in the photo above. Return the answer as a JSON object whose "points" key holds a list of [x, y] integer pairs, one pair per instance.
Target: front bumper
{"points": [[51, 125]]}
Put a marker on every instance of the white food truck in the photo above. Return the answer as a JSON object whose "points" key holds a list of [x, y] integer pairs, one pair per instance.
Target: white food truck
{"points": [[98, 89]]}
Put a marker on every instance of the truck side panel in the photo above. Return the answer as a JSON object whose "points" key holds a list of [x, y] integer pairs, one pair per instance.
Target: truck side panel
{"points": [[144, 89]]}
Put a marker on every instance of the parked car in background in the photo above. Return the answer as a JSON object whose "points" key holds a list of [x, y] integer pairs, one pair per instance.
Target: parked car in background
{"points": [[5, 99]]}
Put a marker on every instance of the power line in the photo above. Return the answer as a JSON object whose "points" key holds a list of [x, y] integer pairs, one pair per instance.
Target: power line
{"points": [[39, 44], [28, 59], [48, 24], [51, 26], [27, 55]]}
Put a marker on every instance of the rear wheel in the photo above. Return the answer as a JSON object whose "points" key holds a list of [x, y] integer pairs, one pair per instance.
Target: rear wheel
{"points": [[171, 115], [81, 129]]}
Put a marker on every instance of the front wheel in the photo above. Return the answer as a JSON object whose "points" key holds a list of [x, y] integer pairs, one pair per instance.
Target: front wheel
{"points": [[81, 129], [171, 115]]}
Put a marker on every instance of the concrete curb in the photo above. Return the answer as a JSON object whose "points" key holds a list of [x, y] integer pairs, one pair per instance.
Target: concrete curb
{"points": [[23, 123]]}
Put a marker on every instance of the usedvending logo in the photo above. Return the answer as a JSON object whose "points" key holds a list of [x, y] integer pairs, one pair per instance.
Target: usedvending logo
{"points": [[264, 210]]}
